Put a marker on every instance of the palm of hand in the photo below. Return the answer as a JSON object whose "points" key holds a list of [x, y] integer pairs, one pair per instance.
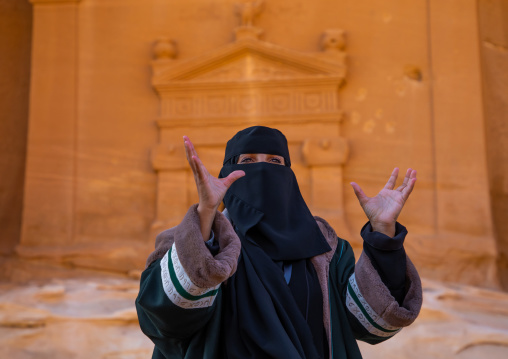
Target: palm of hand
{"points": [[211, 190], [385, 207]]}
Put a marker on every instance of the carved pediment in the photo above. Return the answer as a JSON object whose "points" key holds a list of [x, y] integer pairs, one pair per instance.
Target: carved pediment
{"points": [[249, 60], [249, 66]]}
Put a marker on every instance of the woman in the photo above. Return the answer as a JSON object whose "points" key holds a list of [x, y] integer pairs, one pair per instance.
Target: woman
{"points": [[266, 279]]}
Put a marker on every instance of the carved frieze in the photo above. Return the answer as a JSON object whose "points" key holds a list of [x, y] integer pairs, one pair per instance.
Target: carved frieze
{"points": [[246, 102]]}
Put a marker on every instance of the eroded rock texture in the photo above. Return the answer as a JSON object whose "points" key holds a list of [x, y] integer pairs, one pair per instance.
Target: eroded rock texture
{"points": [[96, 318], [72, 319]]}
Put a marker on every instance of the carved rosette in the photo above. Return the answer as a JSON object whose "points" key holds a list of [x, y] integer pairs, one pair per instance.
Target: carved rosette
{"points": [[164, 49], [333, 40]]}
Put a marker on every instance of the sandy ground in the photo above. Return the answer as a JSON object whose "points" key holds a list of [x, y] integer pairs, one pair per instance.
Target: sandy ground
{"points": [[95, 318]]}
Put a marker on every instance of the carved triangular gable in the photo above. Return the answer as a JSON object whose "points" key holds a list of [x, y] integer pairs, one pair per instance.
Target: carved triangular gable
{"points": [[249, 66], [249, 60]]}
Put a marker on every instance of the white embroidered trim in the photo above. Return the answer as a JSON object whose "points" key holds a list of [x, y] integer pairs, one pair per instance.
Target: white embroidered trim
{"points": [[357, 312], [185, 282]]}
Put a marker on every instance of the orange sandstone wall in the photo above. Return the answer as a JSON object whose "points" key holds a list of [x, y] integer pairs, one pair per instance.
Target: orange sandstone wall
{"points": [[412, 97], [493, 19], [15, 44]]}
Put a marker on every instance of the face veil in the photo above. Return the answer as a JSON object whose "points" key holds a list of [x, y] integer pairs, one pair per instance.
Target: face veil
{"points": [[266, 205], [263, 314]]}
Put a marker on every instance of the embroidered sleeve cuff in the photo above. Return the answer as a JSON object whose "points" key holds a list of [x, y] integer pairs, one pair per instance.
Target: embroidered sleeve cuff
{"points": [[370, 301], [369, 318], [382, 241], [205, 269], [179, 288]]}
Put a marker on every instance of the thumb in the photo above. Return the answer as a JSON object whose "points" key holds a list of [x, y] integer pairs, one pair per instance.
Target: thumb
{"points": [[233, 176], [362, 197]]}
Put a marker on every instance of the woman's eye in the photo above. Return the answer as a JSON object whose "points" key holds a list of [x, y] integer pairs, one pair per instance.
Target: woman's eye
{"points": [[276, 160], [246, 159]]}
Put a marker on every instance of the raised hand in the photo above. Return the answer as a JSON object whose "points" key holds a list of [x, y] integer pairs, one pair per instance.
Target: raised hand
{"points": [[384, 209], [211, 190]]}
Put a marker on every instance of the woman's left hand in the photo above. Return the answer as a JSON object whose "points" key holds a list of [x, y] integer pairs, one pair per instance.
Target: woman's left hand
{"points": [[384, 209]]}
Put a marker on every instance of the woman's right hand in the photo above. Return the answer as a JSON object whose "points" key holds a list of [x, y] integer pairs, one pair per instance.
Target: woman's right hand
{"points": [[211, 190]]}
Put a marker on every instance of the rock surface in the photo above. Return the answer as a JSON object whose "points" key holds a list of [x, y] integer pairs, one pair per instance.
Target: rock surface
{"points": [[96, 318], [105, 169], [75, 318]]}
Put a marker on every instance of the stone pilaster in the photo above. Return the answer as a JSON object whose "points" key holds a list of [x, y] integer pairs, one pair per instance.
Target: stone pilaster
{"points": [[49, 199]]}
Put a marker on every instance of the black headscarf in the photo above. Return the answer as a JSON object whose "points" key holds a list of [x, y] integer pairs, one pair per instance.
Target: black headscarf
{"points": [[263, 318], [257, 139]]}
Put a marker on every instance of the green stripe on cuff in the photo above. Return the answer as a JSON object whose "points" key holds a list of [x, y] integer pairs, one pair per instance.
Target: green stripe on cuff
{"points": [[179, 287], [359, 304]]}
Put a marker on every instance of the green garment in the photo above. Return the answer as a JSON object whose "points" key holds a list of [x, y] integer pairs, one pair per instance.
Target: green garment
{"points": [[195, 333]]}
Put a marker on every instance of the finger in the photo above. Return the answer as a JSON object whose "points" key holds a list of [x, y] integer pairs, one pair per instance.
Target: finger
{"points": [[232, 177], [406, 180], [191, 147], [362, 197], [188, 153], [191, 154], [393, 178], [194, 167], [409, 188], [201, 170]]}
